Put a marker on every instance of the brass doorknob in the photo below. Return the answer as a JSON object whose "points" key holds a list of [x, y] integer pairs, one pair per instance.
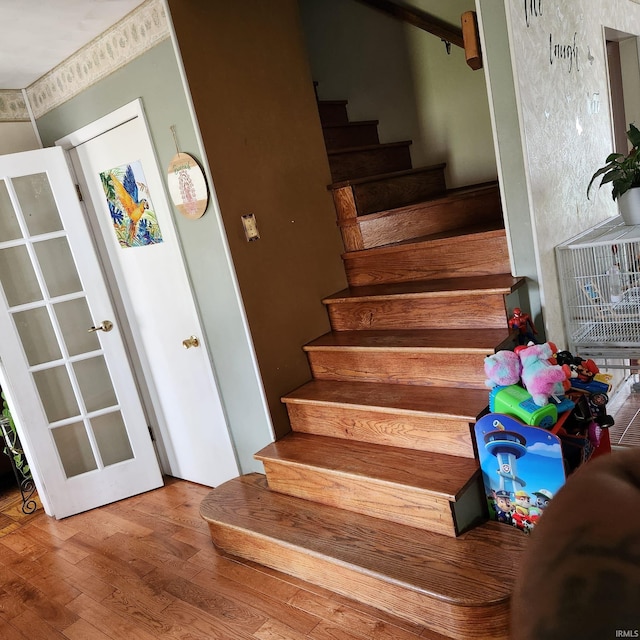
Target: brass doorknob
{"points": [[191, 341], [106, 325]]}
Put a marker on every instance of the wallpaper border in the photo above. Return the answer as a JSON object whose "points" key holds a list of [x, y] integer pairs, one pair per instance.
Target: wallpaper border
{"points": [[139, 31], [12, 106]]}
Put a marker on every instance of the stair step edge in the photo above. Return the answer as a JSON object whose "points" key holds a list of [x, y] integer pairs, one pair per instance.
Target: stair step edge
{"points": [[369, 147], [438, 239], [352, 123], [385, 542], [484, 285], [419, 205], [413, 340], [385, 176], [464, 397], [418, 471]]}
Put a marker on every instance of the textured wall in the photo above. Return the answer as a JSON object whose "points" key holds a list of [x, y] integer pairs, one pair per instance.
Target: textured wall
{"points": [[559, 59]]}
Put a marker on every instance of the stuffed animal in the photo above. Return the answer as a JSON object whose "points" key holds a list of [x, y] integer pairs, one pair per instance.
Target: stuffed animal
{"points": [[540, 378], [502, 369]]}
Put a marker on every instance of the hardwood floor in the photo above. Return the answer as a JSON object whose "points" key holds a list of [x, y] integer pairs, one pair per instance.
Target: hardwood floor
{"points": [[146, 568]]}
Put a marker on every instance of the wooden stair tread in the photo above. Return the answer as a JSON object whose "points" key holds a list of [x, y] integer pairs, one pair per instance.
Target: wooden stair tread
{"points": [[453, 570], [481, 341], [446, 402], [485, 230], [352, 123], [385, 176], [337, 103], [368, 147], [438, 474], [447, 198], [502, 284]]}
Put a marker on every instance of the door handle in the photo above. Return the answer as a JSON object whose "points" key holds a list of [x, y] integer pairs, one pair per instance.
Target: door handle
{"points": [[191, 341], [105, 326]]}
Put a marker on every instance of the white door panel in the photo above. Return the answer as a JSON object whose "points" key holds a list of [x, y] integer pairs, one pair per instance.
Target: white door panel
{"points": [[156, 294]]}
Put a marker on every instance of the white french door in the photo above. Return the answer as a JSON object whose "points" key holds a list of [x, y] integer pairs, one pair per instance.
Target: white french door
{"points": [[79, 415]]}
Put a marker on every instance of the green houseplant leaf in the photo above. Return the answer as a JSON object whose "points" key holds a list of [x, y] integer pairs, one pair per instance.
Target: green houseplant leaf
{"points": [[623, 172]]}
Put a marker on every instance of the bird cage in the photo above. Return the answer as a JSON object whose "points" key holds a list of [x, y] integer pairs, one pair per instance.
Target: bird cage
{"points": [[599, 272]]}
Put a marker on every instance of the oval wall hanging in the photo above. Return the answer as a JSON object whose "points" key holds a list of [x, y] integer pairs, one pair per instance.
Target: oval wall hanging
{"points": [[187, 186]]}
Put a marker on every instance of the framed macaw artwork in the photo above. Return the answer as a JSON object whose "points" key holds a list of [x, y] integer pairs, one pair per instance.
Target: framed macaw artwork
{"points": [[130, 205]]}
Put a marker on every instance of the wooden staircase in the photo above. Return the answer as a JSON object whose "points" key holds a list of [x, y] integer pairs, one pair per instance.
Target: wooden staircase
{"points": [[376, 493]]}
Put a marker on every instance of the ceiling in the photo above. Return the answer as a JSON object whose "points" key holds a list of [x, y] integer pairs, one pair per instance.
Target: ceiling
{"points": [[39, 34]]}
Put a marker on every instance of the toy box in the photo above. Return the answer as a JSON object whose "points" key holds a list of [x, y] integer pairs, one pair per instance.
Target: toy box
{"points": [[522, 469]]}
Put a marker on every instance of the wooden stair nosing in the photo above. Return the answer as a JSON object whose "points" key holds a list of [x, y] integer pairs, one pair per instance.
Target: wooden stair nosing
{"points": [[437, 474], [392, 567], [468, 341], [418, 431], [409, 416], [499, 284], [482, 232], [352, 124], [446, 403], [385, 176], [369, 147], [421, 206], [333, 103]]}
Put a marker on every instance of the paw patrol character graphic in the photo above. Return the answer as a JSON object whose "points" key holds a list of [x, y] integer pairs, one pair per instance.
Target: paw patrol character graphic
{"points": [[503, 506], [543, 497], [523, 503]]}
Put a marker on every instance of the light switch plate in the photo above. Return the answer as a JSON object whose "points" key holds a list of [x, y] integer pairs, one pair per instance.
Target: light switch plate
{"points": [[250, 227]]}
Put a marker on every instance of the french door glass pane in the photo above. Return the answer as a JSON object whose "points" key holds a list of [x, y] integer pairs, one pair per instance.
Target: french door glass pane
{"points": [[36, 334], [18, 277], [74, 449], [9, 228], [58, 267], [56, 393], [74, 320], [95, 383], [111, 437], [37, 203]]}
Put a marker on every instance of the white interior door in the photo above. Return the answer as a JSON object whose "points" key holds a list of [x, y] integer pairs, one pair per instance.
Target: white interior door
{"points": [[79, 416], [149, 273]]}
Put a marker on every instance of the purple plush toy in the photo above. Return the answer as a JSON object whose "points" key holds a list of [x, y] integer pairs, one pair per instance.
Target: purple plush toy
{"points": [[502, 369]]}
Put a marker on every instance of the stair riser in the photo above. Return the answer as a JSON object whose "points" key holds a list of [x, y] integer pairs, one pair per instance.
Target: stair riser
{"points": [[409, 431], [404, 505], [424, 219], [351, 135], [490, 622], [368, 162], [398, 191], [460, 256], [401, 367], [333, 113], [450, 312]]}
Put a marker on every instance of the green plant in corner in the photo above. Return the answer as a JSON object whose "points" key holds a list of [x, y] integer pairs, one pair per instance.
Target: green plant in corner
{"points": [[11, 440], [623, 172]]}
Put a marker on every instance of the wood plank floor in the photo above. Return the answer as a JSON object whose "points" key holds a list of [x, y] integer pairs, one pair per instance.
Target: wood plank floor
{"points": [[146, 568]]}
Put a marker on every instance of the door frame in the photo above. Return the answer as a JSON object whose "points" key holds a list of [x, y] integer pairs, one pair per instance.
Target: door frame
{"points": [[142, 369]]}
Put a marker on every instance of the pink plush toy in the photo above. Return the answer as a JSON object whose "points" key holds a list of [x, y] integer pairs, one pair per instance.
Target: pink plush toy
{"points": [[541, 378], [502, 369]]}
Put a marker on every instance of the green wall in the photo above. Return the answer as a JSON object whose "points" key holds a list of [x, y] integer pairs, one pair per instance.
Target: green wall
{"points": [[402, 76], [155, 78]]}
